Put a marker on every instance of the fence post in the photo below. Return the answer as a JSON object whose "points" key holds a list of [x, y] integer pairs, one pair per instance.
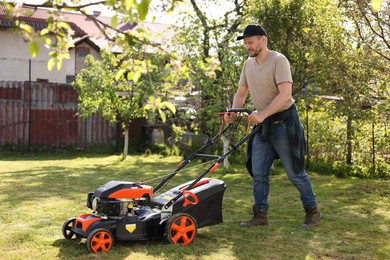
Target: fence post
{"points": [[29, 108]]}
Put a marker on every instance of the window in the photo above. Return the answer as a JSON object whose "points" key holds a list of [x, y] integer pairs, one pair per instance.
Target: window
{"points": [[70, 78], [82, 52]]}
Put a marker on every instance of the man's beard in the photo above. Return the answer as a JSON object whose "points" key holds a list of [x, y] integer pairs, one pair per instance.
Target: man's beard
{"points": [[254, 53]]}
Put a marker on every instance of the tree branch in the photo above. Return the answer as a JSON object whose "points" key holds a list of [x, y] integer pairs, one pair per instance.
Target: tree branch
{"points": [[49, 4]]}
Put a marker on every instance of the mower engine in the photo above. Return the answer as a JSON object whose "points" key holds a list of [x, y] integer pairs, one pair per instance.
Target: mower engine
{"points": [[119, 198]]}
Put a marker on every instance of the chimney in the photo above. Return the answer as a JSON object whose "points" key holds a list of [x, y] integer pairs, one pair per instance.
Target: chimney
{"points": [[96, 13]]}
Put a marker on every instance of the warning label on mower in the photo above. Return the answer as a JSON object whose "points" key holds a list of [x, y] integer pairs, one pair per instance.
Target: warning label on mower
{"points": [[131, 227]]}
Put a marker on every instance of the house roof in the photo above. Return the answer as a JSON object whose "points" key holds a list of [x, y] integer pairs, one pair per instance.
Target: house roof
{"points": [[85, 26], [86, 39], [37, 23], [40, 15], [158, 32], [86, 29]]}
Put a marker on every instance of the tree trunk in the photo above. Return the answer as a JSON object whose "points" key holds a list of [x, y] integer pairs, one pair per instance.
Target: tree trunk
{"points": [[126, 146], [225, 143], [349, 140]]}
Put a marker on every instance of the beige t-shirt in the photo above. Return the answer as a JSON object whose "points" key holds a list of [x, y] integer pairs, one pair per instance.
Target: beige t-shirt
{"points": [[262, 79]]}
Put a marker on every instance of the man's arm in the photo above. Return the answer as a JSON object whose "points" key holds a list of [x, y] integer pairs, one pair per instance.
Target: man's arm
{"points": [[240, 97], [285, 93], [238, 101]]}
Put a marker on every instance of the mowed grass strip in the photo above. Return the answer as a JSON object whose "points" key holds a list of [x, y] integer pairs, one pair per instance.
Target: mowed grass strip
{"points": [[39, 193]]}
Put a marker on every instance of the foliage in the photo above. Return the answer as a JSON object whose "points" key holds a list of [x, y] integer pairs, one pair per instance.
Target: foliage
{"points": [[100, 90], [155, 107], [326, 132], [335, 49], [328, 143], [205, 41], [103, 88], [369, 24], [341, 169]]}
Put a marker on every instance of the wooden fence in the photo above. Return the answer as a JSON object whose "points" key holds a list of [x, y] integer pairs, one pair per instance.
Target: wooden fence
{"points": [[45, 114]]}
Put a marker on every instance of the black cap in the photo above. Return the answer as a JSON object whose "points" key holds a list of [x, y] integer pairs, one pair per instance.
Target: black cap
{"points": [[252, 30]]}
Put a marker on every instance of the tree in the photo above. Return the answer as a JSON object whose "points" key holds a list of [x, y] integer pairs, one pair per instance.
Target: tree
{"points": [[118, 87], [101, 90], [206, 43], [206, 39], [370, 30]]}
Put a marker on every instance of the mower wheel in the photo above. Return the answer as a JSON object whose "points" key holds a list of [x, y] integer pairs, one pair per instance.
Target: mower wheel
{"points": [[67, 229], [100, 240], [180, 229]]}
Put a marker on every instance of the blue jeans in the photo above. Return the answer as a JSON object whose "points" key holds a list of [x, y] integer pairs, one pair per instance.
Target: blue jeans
{"points": [[264, 154]]}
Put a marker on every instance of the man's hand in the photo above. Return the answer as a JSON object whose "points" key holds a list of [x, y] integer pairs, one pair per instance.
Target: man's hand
{"points": [[229, 117], [256, 117]]}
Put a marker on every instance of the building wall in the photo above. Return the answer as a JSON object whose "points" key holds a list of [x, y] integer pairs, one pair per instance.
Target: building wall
{"points": [[15, 55], [81, 51]]}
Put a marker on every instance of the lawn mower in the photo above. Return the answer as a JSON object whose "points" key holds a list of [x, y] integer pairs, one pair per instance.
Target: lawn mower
{"points": [[124, 210]]}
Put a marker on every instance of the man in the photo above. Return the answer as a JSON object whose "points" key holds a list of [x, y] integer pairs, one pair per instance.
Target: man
{"points": [[266, 75]]}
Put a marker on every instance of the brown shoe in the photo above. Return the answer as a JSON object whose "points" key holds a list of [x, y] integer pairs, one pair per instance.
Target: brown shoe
{"points": [[259, 218], [312, 217]]}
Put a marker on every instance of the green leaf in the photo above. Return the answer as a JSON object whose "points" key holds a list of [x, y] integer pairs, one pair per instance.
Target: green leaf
{"points": [[59, 64], [34, 48], [148, 106], [170, 106], [44, 31], [136, 76], [143, 9], [162, 115], [130, 75], [376, 5], [128, 4], [119, 74], [27, 28], [66, 56], [114, 21], [47, 40], [53, 54], [64, 25], [51, 63]]}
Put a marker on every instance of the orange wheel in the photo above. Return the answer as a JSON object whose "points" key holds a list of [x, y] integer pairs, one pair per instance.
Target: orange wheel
{"points": [[180, 229], [100, 240]]}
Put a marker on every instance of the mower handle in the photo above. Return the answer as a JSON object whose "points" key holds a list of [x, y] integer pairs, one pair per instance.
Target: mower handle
{"points": [[240, 110]]}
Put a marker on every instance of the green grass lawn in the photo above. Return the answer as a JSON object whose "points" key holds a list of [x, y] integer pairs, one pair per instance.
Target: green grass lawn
{"points": [[39, 193]]}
